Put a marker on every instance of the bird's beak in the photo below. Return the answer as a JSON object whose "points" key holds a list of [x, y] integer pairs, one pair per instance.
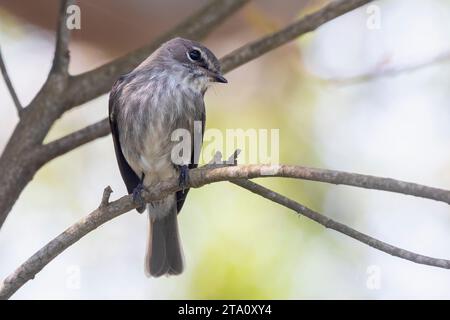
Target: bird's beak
{"points": [[217, 77]]}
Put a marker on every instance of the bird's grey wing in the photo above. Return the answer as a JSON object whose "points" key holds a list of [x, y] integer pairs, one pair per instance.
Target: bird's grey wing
{"points": [[128, 175], [181, 195]]}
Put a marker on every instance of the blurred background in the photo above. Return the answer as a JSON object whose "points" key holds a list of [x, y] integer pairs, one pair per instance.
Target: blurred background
{"points": [[325, 92]]}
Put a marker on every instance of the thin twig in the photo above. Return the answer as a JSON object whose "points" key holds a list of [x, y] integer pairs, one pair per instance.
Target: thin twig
{"points": [[389, 71], [105, 198], [10, 86], [341, 228], [305, 25], [218, 162], [197, 178], [62, 56]]}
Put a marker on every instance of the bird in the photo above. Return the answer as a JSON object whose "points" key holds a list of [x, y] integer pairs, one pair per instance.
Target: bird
{"points": [[163, 94]]}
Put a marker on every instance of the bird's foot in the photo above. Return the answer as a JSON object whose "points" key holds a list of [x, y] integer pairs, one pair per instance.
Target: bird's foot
{"points": [[183, 179], [137, 196]]}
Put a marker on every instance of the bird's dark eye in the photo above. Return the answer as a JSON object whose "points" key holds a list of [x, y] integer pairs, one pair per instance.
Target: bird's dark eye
{"points": [[195, 55]]}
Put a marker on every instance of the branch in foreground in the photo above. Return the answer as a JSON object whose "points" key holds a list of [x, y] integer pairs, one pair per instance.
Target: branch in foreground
{"points": [[198, 178], [9, 85], [63, 145], [231, 61], [328, 176]]}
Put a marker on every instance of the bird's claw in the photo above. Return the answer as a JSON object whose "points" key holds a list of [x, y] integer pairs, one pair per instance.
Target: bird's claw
{"points": [[137, 195], [184, 177]]}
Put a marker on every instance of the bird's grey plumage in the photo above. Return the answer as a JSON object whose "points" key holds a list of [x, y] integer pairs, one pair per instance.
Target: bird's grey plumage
{"points": [[164, 93]]}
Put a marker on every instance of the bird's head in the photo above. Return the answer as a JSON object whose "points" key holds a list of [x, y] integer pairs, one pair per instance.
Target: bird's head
{"points": [[191, 62]]}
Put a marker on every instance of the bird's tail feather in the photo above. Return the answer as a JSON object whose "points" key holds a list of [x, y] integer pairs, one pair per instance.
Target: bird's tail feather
{"points": [[164, 252]]}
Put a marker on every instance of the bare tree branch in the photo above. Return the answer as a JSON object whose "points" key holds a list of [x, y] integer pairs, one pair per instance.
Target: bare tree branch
{"points": [[198, 178], [390, 72], [71, 141], [320, 175], [10, 87], [307, 24], [61, 57], [328, 176], [231, 61], [18, 168], [60, 146], [342, 228], [105, 198]]}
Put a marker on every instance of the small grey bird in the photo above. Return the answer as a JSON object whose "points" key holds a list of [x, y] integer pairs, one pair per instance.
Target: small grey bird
{"points": [[164, 93]]}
